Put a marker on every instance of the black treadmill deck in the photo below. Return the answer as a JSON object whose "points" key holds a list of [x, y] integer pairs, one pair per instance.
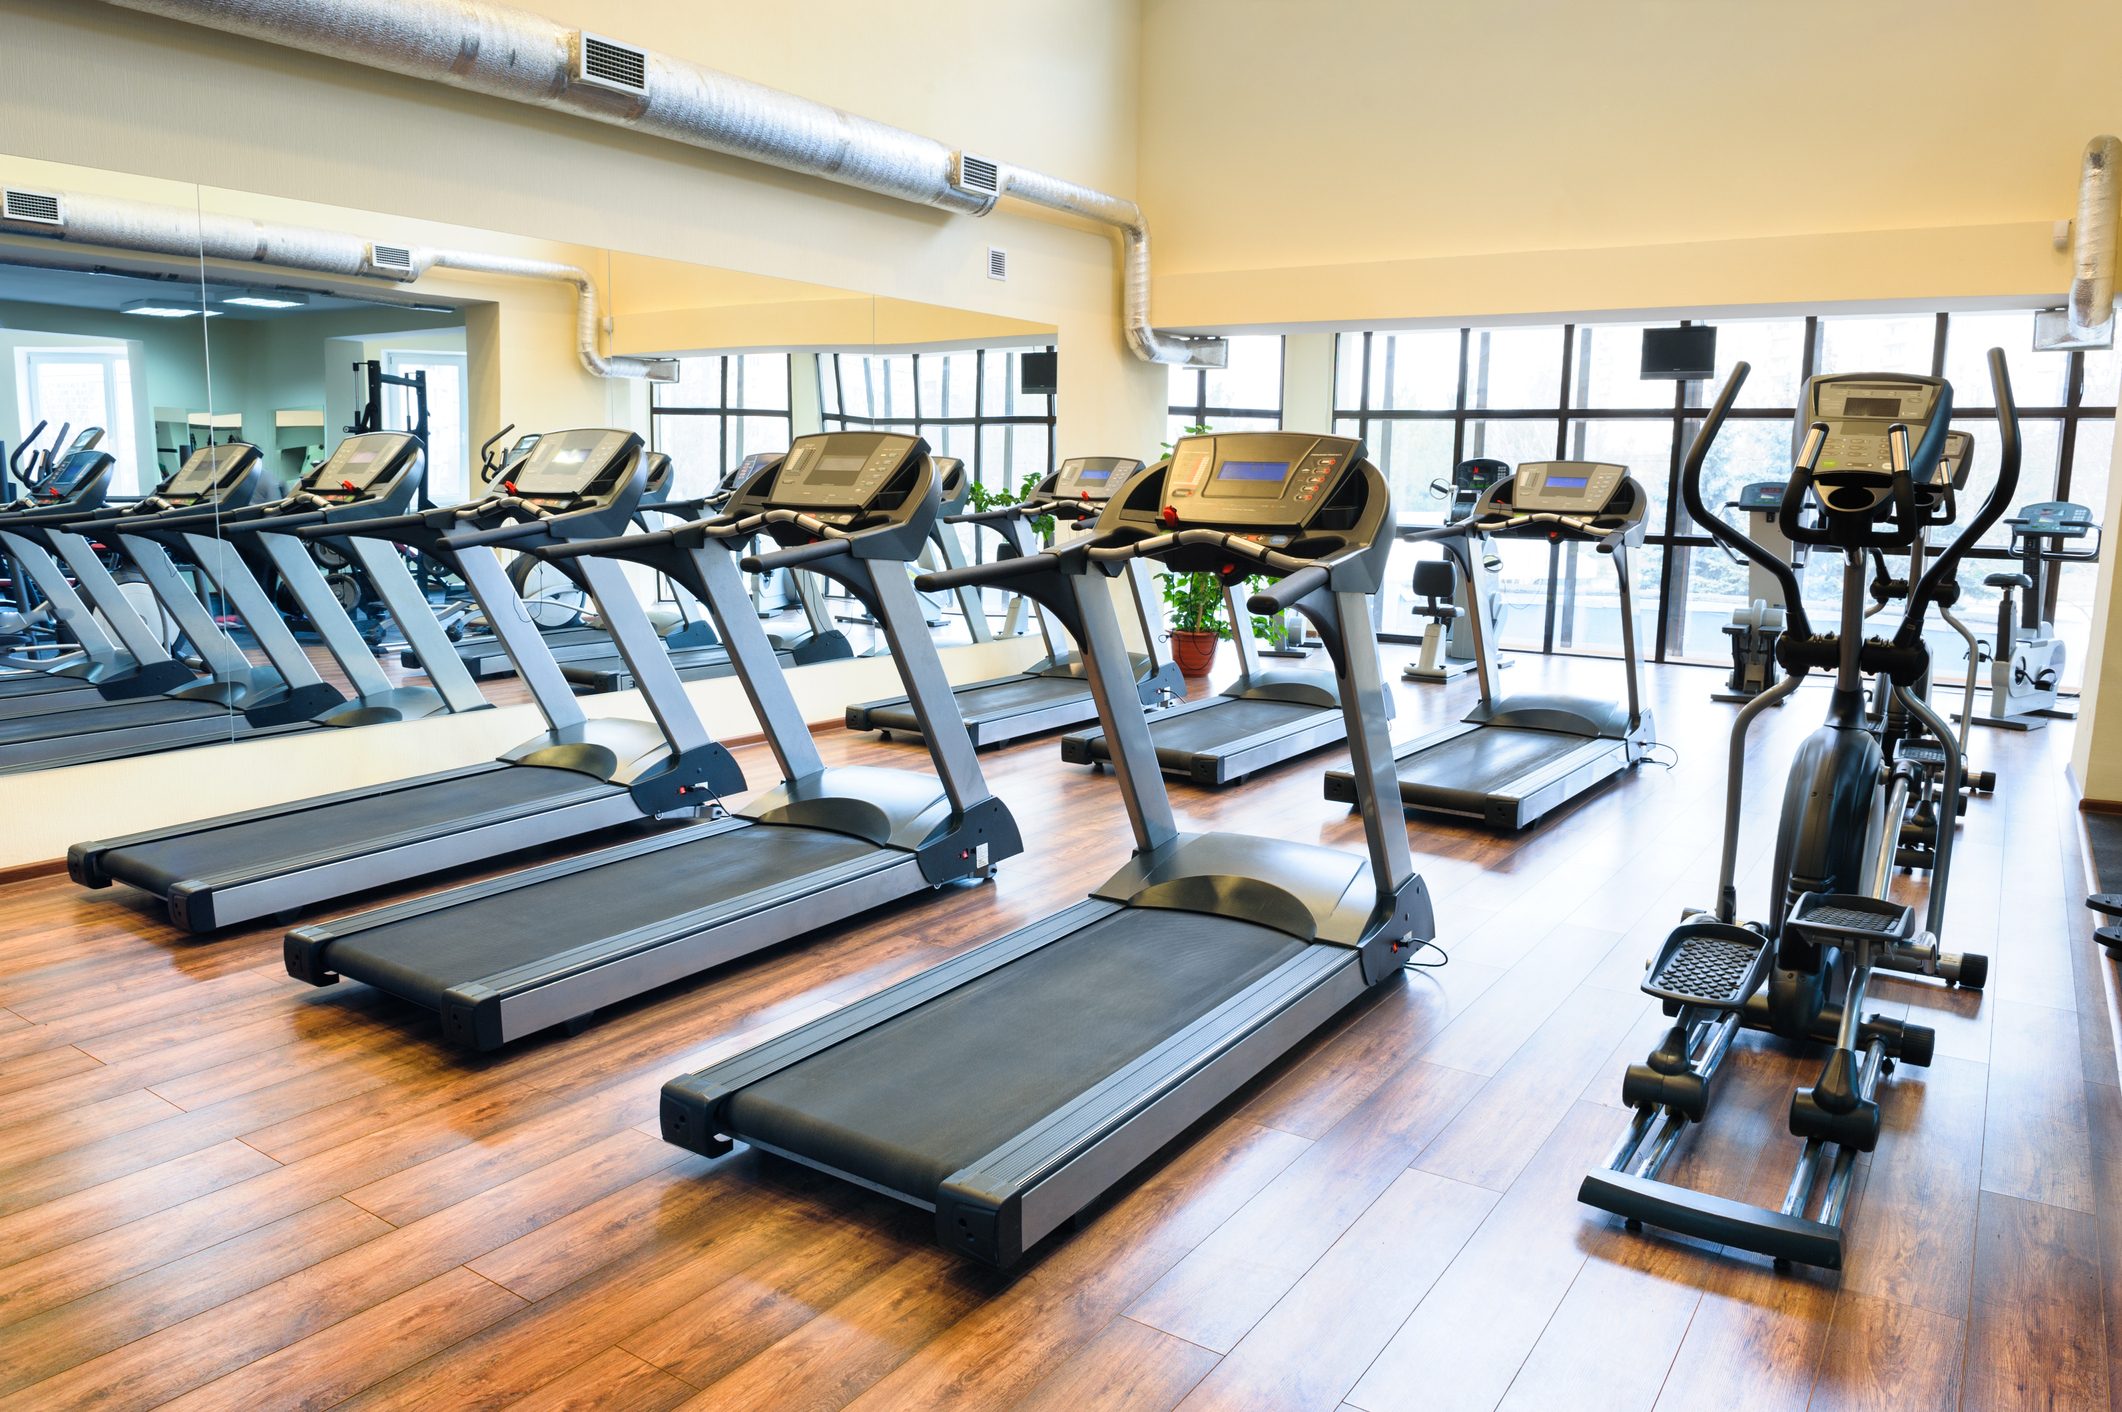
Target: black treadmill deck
{"points": [[281, 840], [1190, 744], [494, 930], [993, 701], [907, 1103]]}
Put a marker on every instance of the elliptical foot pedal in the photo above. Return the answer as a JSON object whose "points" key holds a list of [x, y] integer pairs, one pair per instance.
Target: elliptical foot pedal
{"points": [[1840, 919], [1710, 965]]}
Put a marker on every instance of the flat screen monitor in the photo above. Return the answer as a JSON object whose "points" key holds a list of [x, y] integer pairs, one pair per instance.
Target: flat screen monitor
{"points": [[1038, 374], [1680, 353]]}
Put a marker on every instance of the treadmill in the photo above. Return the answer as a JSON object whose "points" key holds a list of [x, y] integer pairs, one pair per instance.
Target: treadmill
{"points": [[501, 959], [236, 698], [1515, 758], [700, 655], [1053, 693], [1261, 719], [568, 637], [1010, 1088], [102, 665], [577, 776]]}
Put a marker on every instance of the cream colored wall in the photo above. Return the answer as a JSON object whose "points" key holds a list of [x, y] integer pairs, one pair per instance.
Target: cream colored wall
{"points": [[1373, 160], [1054, 88], [2096, 754]]}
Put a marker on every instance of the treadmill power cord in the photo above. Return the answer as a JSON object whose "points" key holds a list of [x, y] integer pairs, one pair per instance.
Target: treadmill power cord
{"points": [[1651, 758], [1414, 965]]}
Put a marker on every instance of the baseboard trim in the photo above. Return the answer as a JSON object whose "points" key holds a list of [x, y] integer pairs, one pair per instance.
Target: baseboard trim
{"points": [[24, 872]]}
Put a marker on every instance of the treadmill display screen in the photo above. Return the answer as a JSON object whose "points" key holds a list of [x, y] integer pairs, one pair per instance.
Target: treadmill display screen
{"points": [[1253, 470], [836, 470], [561, 467], [1567, 482], [1871, 406], [1095, 473]]}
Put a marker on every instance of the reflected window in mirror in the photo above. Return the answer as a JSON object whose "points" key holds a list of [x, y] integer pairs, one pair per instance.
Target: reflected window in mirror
{"points": [[1243, 395], [85, 384], [969, 403], [722, 408]]}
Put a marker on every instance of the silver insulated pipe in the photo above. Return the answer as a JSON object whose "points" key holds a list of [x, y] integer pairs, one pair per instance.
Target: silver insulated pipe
{"points": [[107, 221], [508, 53], [2092, 254]]}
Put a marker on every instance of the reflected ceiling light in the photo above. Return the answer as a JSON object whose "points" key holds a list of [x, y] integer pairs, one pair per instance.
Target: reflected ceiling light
{"points": [[268, 299], [163, 309]]}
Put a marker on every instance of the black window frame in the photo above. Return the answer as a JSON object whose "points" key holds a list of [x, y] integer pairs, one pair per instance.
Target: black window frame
{"points": [[1690, 403], [840, 419], [724, 409]]}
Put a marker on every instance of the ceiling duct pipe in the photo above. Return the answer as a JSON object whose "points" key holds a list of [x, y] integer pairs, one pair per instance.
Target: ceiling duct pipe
{"points": [[2092, 284], [189, 234], [508, 53]]}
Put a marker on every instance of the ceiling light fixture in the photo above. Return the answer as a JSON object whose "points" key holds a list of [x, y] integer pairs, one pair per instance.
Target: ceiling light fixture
{"points": [[163, 309], [268, 299]]}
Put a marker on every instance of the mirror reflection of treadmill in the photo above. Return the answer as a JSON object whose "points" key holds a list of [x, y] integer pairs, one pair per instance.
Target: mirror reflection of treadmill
{"points": [[1517, 757], [1054, 692], [1265, 717]]}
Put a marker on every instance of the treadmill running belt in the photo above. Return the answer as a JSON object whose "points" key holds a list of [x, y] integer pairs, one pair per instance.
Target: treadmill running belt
{"points": [[1198, 732], [1483, 760], [249, 848], [423, 957], [1003, 698], [924, 1095], [115, 715], [37, 683]]}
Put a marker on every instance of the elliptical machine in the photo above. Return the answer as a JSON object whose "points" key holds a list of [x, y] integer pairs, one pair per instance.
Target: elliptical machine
{"points": [[1449, 642], [2026, 675], [1865, 443]]}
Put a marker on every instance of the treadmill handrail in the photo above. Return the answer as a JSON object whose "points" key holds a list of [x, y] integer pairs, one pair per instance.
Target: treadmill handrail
{"points": [[993, 571], [795, 555], [532, 522], [390, 526], [1284, 594]]}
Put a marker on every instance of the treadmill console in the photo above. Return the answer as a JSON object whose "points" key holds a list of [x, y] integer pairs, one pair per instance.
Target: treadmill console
{"points": [[80, 475], [881, 488], [656, 480], [383, 468], [1471, 480], [211, 475], [1305, 495], [955, 484], [1567, 487], [1093, 478], [573, 470]]}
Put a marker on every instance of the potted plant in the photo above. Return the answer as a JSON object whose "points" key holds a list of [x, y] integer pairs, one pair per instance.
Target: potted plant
{"points": [[1195, 605], [1198, 622]]}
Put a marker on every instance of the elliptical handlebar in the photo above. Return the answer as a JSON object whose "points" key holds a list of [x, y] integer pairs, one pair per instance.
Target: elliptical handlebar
{"points": [[1945, 567], [27, 448], [1732, 539]]}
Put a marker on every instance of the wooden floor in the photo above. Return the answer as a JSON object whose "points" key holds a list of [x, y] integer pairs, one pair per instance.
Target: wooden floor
{"points": [[221, 1188]]}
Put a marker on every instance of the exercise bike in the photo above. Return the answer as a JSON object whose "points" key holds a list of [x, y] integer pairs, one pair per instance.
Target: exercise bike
{"points": [[1449, 641], [1866, 442], [2026, 676], [1755, 629]]}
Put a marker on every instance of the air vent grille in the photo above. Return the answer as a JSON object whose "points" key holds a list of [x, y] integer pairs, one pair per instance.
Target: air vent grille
{"points": [[609, 64], [391, 260], [36, 207], [997, 263], [978, 175]]}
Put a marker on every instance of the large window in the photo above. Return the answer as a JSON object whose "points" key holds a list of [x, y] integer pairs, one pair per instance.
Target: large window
{"points": [[722, 408], [81, 386], [449, 450], [969, 403], [1425, 400], [1244, 395]]}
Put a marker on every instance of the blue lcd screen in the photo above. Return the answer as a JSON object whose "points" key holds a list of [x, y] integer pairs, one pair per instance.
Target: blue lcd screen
{"points": [[1567, 482], [1104, 474], [1253, 470]]}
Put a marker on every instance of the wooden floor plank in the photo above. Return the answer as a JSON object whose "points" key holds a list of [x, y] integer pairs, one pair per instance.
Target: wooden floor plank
{"points": [[1222, 1288], [1882, 1357], [1129, 1367], [2035, 1334], [2036, 1145], [1310, 1349]]}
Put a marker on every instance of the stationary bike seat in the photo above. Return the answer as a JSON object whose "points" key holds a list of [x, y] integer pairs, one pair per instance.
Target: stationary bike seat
{"points": [[2019, 581]]}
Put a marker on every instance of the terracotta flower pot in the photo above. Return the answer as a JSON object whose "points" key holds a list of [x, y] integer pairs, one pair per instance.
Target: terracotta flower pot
{"points": [[1195, 652]]}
